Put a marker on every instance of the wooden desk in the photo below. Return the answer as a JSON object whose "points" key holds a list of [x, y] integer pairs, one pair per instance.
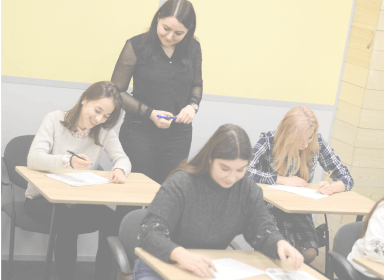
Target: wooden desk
{"points": [[138, 190], [373, 267], [253, 258], [345, 203]]}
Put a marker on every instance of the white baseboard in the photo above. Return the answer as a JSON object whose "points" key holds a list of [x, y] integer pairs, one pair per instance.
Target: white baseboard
{"points": [[42, 258]]}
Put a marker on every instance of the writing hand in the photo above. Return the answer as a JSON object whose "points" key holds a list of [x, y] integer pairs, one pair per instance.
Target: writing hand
{"points": [[285, 249], [186, 115], [80, 164], [160, 122], [326, 188], [117, 176], [195, 263]]}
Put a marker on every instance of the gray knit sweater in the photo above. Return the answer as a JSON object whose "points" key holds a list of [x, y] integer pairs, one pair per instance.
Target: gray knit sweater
{"points": [[196, 212], [52, 141]]}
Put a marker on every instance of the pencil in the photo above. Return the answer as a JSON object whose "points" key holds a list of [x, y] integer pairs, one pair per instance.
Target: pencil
{"points": [[72, 153], [329, 175]]}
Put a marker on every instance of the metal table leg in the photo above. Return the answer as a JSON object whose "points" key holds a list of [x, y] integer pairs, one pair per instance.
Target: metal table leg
{"points": [[51, 242], [326, 247]]}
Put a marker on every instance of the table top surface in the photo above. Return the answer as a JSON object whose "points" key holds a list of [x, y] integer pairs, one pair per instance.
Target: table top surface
{"points": [[138, 190], [373, 267], [345, 203], [253, 258]]}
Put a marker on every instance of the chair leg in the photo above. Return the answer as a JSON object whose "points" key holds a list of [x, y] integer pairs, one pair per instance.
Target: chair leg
{"points": [[51, 242], [11, 247]]}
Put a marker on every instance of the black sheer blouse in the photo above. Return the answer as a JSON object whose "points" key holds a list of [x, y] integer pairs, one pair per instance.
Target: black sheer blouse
{"points": [[162, 84]]}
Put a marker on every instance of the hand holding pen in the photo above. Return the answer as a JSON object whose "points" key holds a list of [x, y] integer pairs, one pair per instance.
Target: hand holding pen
{"points": [[325, 187], [161, 122], [80, 161]]}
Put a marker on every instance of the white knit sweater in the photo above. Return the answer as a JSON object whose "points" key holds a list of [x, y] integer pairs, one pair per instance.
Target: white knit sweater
{"points": [[52, 141], [371, 246]]}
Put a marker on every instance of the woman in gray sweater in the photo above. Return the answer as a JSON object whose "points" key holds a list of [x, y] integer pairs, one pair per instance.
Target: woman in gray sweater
{"points": [[86, 130], [204, 204]]}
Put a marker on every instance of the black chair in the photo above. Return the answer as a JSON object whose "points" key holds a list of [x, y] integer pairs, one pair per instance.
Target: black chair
{"points": [[15, 154], [123, 246], [344, 240]]}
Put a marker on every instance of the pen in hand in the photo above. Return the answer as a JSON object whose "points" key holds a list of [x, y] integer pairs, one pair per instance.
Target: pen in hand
{"points": [[72, 153], [329, 175]]}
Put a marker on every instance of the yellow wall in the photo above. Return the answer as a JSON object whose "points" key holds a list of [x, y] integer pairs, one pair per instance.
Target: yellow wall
{"points": [[279, 50], [71, 40]]}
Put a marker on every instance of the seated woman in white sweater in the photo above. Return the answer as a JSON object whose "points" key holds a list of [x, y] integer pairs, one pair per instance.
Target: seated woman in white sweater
{"points": [[86, 130], [371, 243]]}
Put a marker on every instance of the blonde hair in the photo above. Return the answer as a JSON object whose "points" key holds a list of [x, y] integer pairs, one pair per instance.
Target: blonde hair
{"points": [[288, 139]]}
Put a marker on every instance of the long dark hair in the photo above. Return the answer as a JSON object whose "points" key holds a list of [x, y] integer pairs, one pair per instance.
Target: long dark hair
{"points": [[184, 12], [368, 217], [229, 142], [96, 91]]}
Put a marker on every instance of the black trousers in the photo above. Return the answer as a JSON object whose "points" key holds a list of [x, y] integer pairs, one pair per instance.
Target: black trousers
{"points": [[69, 223], [153, 151]]}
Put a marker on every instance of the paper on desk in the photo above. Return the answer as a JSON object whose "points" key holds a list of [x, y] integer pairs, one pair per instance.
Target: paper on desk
{"points": [[281, 274], [300, 191], [79, 179], [231, 269]]}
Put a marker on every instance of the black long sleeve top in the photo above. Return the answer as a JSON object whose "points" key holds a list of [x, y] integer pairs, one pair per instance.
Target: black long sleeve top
{"points": [[195, 212], [162, 84]]}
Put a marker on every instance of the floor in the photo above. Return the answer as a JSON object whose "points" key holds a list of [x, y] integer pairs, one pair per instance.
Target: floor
{"points": [[34, 270]]}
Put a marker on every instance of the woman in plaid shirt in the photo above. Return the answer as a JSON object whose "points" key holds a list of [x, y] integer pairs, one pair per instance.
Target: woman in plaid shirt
{"points": [[289, 156]]}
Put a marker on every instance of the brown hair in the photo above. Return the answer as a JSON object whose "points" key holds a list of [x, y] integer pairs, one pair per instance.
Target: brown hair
{"points": [[96, 91], [368, 217], [228, 142], [288, 138], [184, 12]]}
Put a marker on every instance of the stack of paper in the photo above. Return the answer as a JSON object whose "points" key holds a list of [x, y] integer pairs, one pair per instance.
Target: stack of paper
{"points": [[79, 179], [300, 191]]}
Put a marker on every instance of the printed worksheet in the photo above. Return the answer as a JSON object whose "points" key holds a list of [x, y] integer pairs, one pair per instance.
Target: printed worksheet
{"points": [[231, 269], [281, 274], [300, 191], [79, 179]]}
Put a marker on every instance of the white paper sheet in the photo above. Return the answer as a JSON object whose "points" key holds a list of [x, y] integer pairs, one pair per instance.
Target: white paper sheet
{"points": [[300, 191], [280, 274], [79, 179], [231, 269]]}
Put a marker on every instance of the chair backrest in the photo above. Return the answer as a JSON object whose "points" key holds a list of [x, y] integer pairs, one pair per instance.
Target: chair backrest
{"points": [[15, 154], [346, 237], [129, 231]]}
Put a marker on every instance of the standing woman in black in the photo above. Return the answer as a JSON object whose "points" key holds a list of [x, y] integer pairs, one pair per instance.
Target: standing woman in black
{"points": [[165, 64]]}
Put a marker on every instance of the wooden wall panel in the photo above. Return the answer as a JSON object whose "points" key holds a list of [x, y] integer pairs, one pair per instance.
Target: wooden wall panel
{"points": [[355, 75], [370, 138], [379, 41], [377, 61], [348, 113], [367, 177], [351, 94], [375, 80], [371, 158], [358, 56], [343, 150], [344, 132], [361, 37], [374, 99], [380, 25], [373, 119], [369, 4], [365, 18]]}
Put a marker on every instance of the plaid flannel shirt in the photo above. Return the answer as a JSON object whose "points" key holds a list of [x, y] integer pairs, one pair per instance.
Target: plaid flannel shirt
{"points": [[261, 168]]}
